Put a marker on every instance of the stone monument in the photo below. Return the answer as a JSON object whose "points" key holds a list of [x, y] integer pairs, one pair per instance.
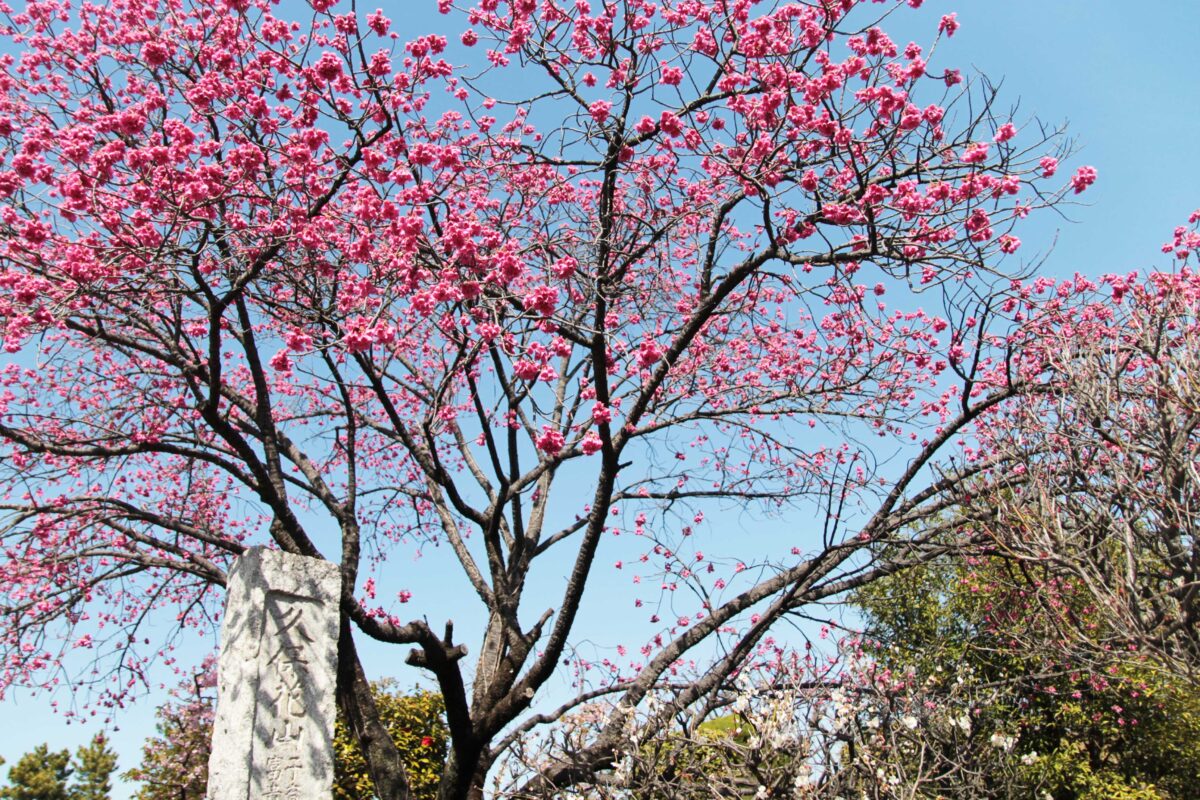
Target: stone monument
{"points": [[277, 673]]}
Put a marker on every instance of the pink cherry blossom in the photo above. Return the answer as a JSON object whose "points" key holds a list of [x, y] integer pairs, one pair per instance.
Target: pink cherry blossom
{"points": [[591, 443], [550, 441], [1083, 178], [600, 110], [975, 153], [1005, 132], [601, 414]]}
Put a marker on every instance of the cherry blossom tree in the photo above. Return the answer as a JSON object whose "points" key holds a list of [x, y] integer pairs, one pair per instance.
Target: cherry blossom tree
{"points": [[969, 636], [1099, 505], [175, 761], [545, 295]]}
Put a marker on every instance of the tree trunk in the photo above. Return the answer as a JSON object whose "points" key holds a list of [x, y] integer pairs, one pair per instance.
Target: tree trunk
{"points": [[464, 775], [384, 762]]}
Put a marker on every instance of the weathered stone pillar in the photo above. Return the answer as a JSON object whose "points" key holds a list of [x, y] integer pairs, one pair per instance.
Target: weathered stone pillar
{"points": [[273, 737]]}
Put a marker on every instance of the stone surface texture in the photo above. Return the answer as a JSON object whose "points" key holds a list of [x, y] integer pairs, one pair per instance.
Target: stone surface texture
{"points": [[273, 737]]}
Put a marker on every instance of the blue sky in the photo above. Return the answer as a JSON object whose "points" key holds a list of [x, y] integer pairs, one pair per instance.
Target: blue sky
{"points": [[1121, 77]]}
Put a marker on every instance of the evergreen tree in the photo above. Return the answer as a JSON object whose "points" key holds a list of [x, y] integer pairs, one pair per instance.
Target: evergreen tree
{"points": [[94, 767], [39, 775]]}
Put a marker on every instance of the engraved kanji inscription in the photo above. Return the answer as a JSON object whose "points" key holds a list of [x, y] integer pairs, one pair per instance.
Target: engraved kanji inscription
{"points": [[284, 680], [287, 674]]}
